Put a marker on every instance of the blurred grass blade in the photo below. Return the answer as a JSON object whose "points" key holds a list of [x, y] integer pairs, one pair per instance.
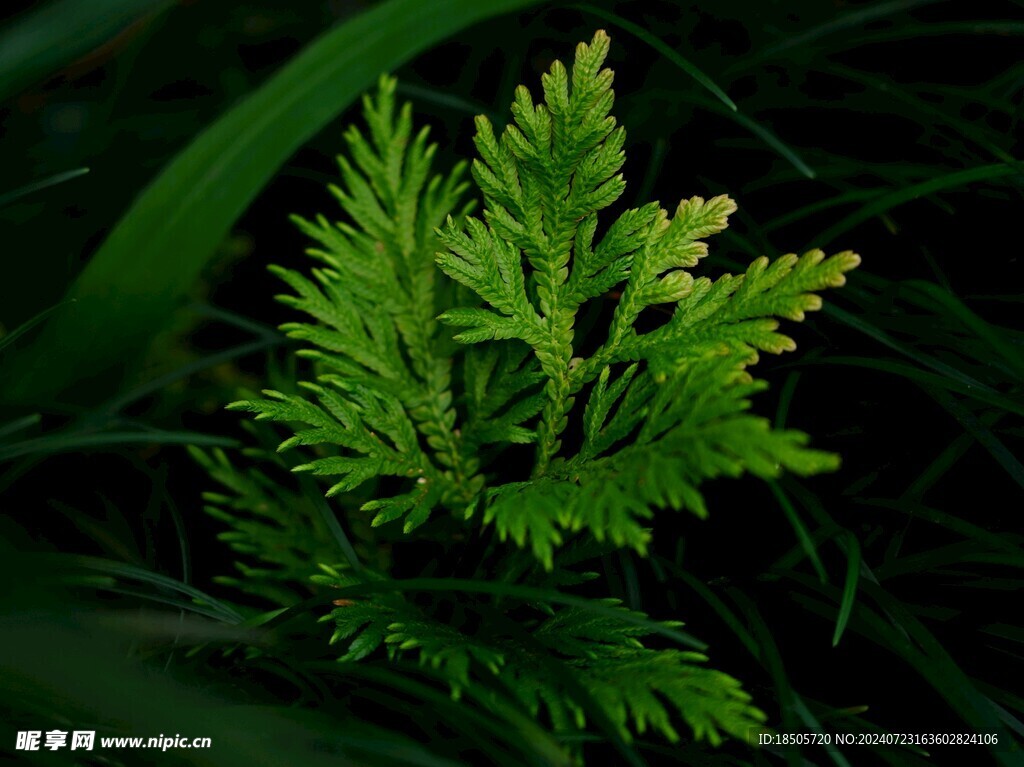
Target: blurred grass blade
{"points": [[814, 725], [775, 143], [153, 256], [998, 541], [942, 670], [994, 27], [315, 495], [447, 99], [786, 399], [59, 178], [806, 542], [113, 569], [38, 44], [753, 126], [728, 617], [804, 39], [658, 152], [925, 113], [846, 198], [63, 442], [26, 326], [984, 435], [928, 381], [954, 307], [770, 657], [913, 352], [889, 201], [642, 34], [19, 424], [849, 587], [122, 399]]}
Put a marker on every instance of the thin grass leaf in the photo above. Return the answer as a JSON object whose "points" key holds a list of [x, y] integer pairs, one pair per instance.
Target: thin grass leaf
{"points": [[119, 402], [803, 40], [786, 399], [25, 327], [62, 442], [654, 42], [926, 113], [846, 198], [1001, 542], [240, 321], [917, 355], [113, 569], [20, 424], [315, 495], [58, 178], [769, 656], [182, 606], [1005, 631], [951, 306], [658, 152], [773, 141], [943, 556], [901, 196], [944, 462], [984, 435], [724, 612], [928, 381], [445, 99], [806, 542], [849, 587], [999, 28], [922, 651], [994, 693], [814, 725]]}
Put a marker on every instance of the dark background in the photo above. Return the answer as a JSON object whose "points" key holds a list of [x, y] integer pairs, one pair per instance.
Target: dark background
{"points": [[876, 98]]}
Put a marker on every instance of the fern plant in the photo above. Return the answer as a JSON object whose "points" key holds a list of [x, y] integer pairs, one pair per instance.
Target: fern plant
{"points": [[549, 371]]}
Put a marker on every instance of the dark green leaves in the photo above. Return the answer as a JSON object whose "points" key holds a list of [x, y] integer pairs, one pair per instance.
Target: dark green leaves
{"points": [[176, 224], [595, 645]]}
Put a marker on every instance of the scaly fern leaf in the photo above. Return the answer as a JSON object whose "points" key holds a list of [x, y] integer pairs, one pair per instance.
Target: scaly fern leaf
{"points": [[452, 358]]}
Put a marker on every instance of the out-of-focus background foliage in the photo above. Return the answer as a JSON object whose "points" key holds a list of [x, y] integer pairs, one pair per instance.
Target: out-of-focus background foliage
{"points": [[151, 153]]}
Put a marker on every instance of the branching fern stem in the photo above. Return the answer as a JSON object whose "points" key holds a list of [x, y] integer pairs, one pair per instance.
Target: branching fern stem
{"points": [[386, 381], [535, 259], [555, 166], [386, 401], [664, 408]]}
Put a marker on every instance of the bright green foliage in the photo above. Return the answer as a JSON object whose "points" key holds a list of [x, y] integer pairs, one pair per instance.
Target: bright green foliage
{"points": [[654, 430], [476, 421], [388, 401], [534, 261]]}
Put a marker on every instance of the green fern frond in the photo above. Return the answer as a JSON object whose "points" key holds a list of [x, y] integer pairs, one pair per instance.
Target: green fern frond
{"points": [[451, 357], [638, 688], [646, 689], [386, 397], [533, 260], [389, 621], [277, 534]]}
